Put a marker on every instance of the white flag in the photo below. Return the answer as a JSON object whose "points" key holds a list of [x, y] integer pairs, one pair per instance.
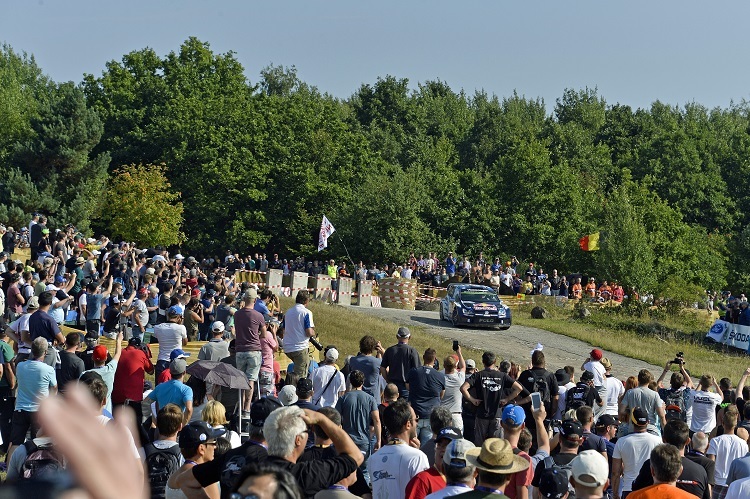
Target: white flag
{"points": [[326, 229]]}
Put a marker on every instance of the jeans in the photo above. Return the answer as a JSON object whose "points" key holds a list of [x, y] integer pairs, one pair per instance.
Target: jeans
{"points": [[484, 429]]}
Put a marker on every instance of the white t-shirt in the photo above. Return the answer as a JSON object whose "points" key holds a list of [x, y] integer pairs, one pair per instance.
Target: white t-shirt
{"points": [[704, 411], [392, 467], [448, 491], [452, 396], [633, 449], [320, 378], [597, 369], [170, 336], [615, 389], [726, 448], [296, 320], [21, 324]]}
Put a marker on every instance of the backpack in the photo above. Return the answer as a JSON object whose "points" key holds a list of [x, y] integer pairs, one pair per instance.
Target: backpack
{"points": [[161, 463], [674, 405], [540, 385], [41, 462], [550, 464], [576, 397]]}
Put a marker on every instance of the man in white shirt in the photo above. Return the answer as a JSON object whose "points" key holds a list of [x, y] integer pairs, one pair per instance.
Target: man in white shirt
{"points": [[171, 335], [298, 329], [725, 448], [615, 389], [459, 473], [455, 375], [594, 365], [395, 463], [565, 382], [328, 382], [631, 451], [704, 405]]}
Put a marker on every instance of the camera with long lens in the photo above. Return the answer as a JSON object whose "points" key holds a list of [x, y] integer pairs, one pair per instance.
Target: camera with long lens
{"points": [[679, 359], [316, 344]]}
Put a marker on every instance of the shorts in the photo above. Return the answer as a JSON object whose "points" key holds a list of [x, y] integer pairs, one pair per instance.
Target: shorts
{"points": [[266, 386], [23, 421], [249, 363]]}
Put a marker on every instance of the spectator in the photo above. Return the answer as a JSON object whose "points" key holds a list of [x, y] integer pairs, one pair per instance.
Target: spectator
{"points": [[249, 329], [697, 454], [368, 361], [692, 478], [358, 411], [269, 344], [174, 391], [41, 323], [678, 398], [107, 371], [455, 377], [440, 418], [20, 328], [399, 360], [426, 387], [262, 480], [496, 464], [215, 414], [171, 335], [488, 390], [606, 428], [513, 425], [631, 452], [724, 449], [589, 474], [645, 398], [433, 479], [328, 382], [704, 405], [594, 365], [615, 389], [94, 301], [591, 441], [538, 379], [571, 438], [459, 473], [197, 442], [162, 457], [130, 376], [397, 462], [216, 348], [564, 383], [36, 380], [298, 329], [666, 466], [71, 366], [584, 394]]}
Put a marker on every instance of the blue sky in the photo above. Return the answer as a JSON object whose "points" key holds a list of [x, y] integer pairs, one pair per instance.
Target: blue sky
{"points": [[634, 52]]}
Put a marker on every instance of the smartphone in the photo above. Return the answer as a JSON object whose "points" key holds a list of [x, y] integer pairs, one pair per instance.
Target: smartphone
{"points": [[536, 401], [455, 345]]}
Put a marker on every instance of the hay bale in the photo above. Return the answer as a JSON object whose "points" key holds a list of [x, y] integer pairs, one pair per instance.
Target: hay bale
{"points": [[398, 293]]}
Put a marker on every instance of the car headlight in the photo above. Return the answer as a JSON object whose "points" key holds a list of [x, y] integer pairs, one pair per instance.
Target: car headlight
{"points": [[501, 312], [466, 310]]}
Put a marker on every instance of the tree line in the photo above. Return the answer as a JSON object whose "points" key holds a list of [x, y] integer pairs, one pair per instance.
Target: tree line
{"points": [[255, 165]]}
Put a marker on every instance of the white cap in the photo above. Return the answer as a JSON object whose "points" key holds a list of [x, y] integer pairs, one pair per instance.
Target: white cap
{"points": [[179, 257], [217, 326], [590, 469], [332, 355]]}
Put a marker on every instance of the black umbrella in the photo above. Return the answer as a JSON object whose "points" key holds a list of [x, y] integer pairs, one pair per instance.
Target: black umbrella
{"points": [[219, 373]]}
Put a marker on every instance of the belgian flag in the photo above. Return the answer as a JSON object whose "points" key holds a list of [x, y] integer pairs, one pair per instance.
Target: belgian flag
{"points": [[590, 242]]}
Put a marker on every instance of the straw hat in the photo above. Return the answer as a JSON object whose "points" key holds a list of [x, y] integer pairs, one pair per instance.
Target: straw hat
{"points": [[496, 456]]}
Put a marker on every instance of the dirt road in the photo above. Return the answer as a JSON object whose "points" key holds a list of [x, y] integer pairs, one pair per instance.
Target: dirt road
{"points": [[516, 343]]}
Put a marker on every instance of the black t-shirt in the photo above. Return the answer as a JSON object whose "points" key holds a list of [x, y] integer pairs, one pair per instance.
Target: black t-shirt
{"points": [[316, 453], [526, 379], [71, 368], [425, 385], [225, 469], [490, 385], [112, 319], [708, 464], [400, 359], [314, 476], [582, 392], [692, 480], [560, 459]]}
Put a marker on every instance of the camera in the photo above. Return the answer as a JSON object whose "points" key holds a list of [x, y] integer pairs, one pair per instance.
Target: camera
{"points": [[679, 359], [316, 344]]}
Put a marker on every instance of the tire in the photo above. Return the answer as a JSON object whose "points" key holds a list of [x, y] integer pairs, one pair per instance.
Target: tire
{"points": [[504, 328]]}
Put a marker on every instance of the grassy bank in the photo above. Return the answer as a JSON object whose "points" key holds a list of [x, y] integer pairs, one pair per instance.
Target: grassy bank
{"points": [[643, 338]]}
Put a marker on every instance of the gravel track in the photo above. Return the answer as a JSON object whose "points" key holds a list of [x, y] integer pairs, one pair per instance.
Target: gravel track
{"points": [[514, 344]]}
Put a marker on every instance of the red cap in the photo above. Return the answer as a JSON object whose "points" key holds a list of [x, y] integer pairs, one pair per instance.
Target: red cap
{"points": [[596, 354], [142, 292], [100, 353], [196, 292]]}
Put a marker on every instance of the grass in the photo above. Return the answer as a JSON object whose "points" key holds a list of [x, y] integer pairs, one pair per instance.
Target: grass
{"points": [[653, 341]]}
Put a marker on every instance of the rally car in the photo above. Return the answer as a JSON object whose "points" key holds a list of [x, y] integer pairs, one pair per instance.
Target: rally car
{"points": [[475, 305]]}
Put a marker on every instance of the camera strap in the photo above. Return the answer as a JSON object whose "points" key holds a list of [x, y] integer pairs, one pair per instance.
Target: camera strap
{"points": [[335, 373]]}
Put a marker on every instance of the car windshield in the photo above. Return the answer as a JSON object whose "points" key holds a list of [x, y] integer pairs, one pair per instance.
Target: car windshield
{"points": [[479, 295]]}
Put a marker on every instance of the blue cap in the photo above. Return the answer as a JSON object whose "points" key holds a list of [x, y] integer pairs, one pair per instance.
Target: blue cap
{"points": [[178, 354], [513, 415], [59, 279], [175, 310]]}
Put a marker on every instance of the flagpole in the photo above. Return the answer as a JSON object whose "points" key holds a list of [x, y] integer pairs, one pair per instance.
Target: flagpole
{"points": [[347, 252]]}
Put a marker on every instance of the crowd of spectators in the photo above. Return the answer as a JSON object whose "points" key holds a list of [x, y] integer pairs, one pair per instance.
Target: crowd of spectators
{"points": [[392, 422]]}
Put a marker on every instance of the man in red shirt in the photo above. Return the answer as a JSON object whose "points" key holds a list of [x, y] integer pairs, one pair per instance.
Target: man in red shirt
{"points": [[130, 375], [432, 479]]}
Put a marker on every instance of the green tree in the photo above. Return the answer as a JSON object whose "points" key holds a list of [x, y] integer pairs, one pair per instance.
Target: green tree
{"points": [[140, 207]]}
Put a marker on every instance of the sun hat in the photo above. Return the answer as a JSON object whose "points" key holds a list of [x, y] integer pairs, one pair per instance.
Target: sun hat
{"points": [[288, 395], [496, 456]]}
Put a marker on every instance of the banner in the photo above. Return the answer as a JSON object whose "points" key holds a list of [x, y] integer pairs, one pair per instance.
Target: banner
{"points": [[326, 229], [590, 242], [729, 334]]}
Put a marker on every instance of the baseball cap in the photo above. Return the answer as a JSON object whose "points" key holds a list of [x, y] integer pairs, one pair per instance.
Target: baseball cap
{"points": [[606, 420], [455, 453], [553, 483], [513, 415], [596, 354], [563, 378], [589, 468], [135, 341], [91, 338], [59, 279], [639, 417], [471, 364], [175, 311], [100, 353], [177, 366], [198, 432], [304, 387], [178, 353], [179, 257], [288, 395], [450, 432], [217, 326], [251, 294], [587, 376], [571, 427], [260, 410], [332, 355], [195, 292], [403, 332]]}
